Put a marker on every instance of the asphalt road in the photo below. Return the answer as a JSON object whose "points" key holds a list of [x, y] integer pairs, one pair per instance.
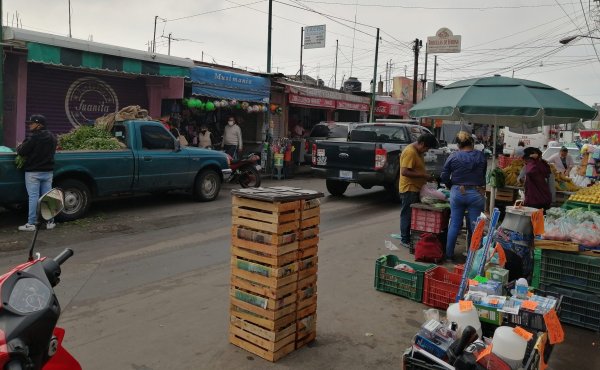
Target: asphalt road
{"points": [[148, 287]]}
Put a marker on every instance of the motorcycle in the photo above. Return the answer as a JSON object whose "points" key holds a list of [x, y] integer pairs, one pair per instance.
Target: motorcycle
{"points": [[29, 309], [245, 171]]}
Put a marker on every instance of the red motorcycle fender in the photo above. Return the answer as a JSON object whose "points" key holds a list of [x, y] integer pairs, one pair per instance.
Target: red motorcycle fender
{"points": [[62, 359]]}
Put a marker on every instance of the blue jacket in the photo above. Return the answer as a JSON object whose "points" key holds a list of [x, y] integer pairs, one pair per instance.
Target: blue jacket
{"points": [[465, 168]]}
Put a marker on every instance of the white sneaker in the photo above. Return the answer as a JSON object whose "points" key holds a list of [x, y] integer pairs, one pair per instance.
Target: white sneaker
{"points": [[50, 225], [27, 227]]}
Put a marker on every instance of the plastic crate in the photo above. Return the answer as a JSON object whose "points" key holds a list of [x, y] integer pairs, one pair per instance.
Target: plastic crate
{"points": [[404, 284], [504, 161], [577, 307], [574, 271], [441, 286], [571, 204], [429, 219], [537, 268]]}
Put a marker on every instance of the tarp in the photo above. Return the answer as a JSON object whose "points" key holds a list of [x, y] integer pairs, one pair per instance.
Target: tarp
{"points": [[222, 84]]}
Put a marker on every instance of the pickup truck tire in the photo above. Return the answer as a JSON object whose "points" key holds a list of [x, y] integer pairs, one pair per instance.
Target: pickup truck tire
{"points": [[207, 186], [77, 199], [335, 187]]}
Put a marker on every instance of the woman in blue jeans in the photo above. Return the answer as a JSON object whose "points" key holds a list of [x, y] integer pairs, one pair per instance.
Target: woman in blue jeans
{"points": [[464, 173]]}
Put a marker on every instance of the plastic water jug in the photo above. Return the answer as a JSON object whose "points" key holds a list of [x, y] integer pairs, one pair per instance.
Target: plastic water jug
{"points": [[463, 319], [509, 346]]}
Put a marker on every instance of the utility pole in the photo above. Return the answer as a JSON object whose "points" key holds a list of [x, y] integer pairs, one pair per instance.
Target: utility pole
{"points": [[434, 73], [169, 43], [386, 77], [335, 73], [416, 47], [301, 47], [269, 36], [69, 18], [372, 111], [424, 80], [154, 38]]}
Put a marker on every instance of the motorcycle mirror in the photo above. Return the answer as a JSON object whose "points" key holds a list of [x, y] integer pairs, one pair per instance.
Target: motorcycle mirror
{"points": [[48, 206], [51, 204]]}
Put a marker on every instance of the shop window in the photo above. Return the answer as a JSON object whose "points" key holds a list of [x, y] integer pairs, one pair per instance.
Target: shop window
{"points": [[156, 138]]}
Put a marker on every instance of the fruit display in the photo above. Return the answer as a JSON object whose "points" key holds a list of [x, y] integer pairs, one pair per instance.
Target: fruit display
{"points": [[587, 195], [562, 181]]}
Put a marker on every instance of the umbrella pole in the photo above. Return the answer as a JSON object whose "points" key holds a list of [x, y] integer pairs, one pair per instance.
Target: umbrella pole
{"points": [[493, 189]]}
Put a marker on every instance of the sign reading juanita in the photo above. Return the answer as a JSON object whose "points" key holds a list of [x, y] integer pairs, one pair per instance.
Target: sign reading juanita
{"points": [[89, 98]]}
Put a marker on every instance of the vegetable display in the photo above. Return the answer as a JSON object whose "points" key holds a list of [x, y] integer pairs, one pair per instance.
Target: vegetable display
{"points": [[88, 138]]}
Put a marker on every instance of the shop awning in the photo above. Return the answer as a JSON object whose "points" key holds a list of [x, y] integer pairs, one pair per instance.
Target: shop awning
{"points": [[223, 84], [59, 56], [326, 99]]}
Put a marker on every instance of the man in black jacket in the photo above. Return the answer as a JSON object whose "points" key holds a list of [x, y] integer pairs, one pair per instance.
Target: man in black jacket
{"points": [[38, 151]]}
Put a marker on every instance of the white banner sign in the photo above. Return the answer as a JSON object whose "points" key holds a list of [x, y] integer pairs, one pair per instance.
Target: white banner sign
{"points": [[443, 42], [314, 37]]}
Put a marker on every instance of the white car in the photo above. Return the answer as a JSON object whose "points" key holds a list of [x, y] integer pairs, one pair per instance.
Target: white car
{"points": [[574, 152]]}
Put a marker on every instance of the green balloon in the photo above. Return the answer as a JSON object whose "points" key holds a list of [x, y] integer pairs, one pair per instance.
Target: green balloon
{"points": [[238, 106], [210, 106]]}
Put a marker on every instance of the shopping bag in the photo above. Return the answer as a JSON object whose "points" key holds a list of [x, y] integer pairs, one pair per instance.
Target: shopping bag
{"points": [[429, 249]]}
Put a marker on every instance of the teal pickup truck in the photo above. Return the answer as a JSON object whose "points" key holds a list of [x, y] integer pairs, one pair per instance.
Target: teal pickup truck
{"points": [[151, 161]]}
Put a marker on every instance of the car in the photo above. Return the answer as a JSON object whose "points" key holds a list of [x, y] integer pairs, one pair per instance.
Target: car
{"points": [[574, 152], [330, 130]]}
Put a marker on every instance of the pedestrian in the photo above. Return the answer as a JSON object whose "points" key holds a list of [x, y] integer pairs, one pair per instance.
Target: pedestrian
{"points": [[38, 151], [204, 138], [412, 178], [562, 161], [518, 152], [537, 179], [232, 138], [464, 174]]}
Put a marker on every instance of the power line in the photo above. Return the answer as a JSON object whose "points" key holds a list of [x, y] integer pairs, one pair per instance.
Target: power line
{"points": [[431, 8]]}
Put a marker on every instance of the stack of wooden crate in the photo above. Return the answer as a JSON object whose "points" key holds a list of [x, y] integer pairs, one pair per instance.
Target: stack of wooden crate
{"points": [[273, 270]]}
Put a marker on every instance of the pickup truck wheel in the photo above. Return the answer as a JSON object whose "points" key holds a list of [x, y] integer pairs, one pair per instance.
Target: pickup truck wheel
{"points": [[77, 199], [207, 186], [335, 187]]}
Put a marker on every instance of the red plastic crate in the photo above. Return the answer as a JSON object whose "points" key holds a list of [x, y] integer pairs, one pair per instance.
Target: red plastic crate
{"points": [[441, 286], [504, 162], [431, 221]]}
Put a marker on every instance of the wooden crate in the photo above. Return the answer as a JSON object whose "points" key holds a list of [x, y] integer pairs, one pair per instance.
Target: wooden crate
{"points": [[307, 204], [310, 222], [308, 233], [306, 329], [248, 313], [556, 245], [278, 217], [263, 301], [268, 344], [307, 267], [271, 276], [505, 195], [262, 237], [266, 257], [264, 290], [307, 293], [306, 214]]}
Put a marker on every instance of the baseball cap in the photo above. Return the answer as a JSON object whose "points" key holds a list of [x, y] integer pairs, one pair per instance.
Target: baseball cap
{"points": [[37, 118]]}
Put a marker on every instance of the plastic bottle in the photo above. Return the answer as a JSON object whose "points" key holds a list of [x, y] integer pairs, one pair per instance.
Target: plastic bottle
{"points": [[463, 319], [509, 346], [521, 288]]}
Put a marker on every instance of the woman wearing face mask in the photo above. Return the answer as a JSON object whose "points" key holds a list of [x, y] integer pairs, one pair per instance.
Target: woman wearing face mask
{"points": [[232, 138], [204, 138]]}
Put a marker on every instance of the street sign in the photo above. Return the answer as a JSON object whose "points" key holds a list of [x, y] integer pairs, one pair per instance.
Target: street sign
{"points": [[443, 42], [314, 37]]}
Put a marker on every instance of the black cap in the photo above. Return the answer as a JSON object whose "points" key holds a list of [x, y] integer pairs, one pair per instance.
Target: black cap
{"points": [[37, 118]]}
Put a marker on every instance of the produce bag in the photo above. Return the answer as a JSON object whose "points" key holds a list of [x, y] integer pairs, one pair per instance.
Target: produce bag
{"points": [[430, 190], [496, 178]]}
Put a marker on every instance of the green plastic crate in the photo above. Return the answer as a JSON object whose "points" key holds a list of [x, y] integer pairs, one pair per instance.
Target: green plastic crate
{"points": [[404, 284], [537, 267], [571, 270], [569, 204], [578, 308]]}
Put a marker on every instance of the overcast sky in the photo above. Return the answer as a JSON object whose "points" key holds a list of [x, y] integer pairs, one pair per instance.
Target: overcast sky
{"points": [[498, 37]]}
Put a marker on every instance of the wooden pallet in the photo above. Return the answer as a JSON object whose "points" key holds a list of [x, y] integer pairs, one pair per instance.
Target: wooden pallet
{"points": [[270, 345], [556, 245]]}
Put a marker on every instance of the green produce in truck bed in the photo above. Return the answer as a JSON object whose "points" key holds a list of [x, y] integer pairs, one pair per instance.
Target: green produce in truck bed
{"points": [[137, 156]]}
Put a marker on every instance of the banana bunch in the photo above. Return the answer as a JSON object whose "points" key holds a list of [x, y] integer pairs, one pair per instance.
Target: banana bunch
{"points": [[511, 172], [562, 181]]}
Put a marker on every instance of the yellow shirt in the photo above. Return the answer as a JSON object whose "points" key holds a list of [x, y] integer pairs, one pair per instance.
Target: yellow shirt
{"points": [[410, 158]]}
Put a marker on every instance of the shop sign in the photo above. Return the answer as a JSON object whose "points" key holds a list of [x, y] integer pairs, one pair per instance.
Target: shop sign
{"points": [[443, 42], [388, 109], [312, 101], [89, 98], [340, 104], [314, 37], [326, 94]]}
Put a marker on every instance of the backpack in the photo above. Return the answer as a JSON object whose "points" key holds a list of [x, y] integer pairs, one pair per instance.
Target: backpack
{"points": [[429, 249]]}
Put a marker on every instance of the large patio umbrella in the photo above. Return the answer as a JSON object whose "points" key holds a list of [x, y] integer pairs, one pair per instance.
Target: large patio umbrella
{"points": [[503, 101]]}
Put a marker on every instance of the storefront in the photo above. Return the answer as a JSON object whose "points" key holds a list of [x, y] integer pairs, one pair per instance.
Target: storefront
{"points": [[391, 108], [72, 82], [220, 93]]}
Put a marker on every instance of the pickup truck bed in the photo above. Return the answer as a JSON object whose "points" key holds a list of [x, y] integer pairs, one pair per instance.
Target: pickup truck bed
{"points": [[371, 157], [152, 162]]}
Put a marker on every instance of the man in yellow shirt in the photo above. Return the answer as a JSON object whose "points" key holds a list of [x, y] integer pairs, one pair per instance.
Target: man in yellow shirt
{"points": [[412, 178]]}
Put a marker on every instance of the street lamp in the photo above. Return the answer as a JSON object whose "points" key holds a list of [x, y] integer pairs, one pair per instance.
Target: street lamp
{"points": [[567, 40]]}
